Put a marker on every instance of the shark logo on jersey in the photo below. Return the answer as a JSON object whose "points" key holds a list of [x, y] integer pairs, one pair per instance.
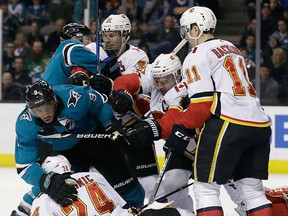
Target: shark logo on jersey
{"points": [[68, 123], [26, 116], [74, 97]]}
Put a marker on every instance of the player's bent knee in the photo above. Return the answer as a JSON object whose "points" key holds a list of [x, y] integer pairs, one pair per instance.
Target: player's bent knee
{"points": [[252, 192], [206, 194]]}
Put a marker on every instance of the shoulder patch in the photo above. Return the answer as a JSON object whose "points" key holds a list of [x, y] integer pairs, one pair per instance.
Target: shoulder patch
{"points": [[73, 99], [26, 116], [141, 66]]}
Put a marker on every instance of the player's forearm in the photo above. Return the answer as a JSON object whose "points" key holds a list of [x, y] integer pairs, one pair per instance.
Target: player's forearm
{"points": [[171, 117], [31, 174], [196, 115], [129, 82]]}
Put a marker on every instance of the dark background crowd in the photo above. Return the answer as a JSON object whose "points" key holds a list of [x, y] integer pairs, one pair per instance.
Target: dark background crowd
{"points": [[31, 32]]}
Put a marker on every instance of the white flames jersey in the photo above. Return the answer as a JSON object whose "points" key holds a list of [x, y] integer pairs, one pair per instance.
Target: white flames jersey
{"points": [[215, 71], [132, 60], [95, 198]]}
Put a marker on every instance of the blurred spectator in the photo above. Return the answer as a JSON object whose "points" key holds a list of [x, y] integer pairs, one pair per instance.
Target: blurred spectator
{"points": [[280, 73], [251, 28], [78, 13], [10, 91], [250, 65], [282, 31], [20, 74], [8, 56], [108, 9], [10, 24], [154, 13], [22, 48], [60, 9], [145, 47], [168, 38], [273, 43], [276, 9], [177, 8], [269, 87], [137, 35], [134, 12], [251, 9], [93, 28], [17, 10], [37, 62], [37, 12], [214, 5], [35, 33], [268, 25], [53, 40], [250, 46]]}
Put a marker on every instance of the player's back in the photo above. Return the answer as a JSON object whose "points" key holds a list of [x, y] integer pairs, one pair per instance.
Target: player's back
{"points": [[218, 66], [95, 197]]}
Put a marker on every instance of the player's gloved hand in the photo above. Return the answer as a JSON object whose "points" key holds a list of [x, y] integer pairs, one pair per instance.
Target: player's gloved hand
{"points": [[101, 84], [143, 133], [60, 188], [179, 138], [79, 76], [109, 67], [122, 101]]}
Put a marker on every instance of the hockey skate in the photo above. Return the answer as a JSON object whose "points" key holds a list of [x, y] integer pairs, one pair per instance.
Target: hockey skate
{"points": [[241, 209]]}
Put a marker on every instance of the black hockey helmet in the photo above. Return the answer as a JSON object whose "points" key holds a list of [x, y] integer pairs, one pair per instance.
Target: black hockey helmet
{"points": [[75, 29], [39, 93]]}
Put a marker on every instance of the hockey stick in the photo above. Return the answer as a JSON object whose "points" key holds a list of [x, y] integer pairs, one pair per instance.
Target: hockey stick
{"points": [[160, 177], [157, 200], [97, 36], [179, 46], [113, 136]]}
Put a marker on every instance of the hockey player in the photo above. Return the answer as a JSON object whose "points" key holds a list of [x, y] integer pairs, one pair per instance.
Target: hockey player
{"points": [[115, 33], [68, 109], [236, 131], [95, 197], [161, 81], [71, 52]]}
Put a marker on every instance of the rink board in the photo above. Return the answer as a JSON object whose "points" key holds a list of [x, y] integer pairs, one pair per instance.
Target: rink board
{"points": [[279, 139]]}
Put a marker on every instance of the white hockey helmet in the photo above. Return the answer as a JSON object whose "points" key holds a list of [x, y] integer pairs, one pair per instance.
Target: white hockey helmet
{"points": [[203, 17], [166, 64], [58, 164], [116, 23]]}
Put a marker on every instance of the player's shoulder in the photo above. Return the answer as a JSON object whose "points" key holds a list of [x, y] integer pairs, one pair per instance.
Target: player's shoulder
{"points": [[135, 51]]}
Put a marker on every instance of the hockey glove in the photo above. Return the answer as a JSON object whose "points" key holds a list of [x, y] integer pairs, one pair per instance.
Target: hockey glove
{"points": [[79, 77], [102, 84], [61, 188], [179, 138], [109, 67], [122, 101], [161, 212], [143, 133]]}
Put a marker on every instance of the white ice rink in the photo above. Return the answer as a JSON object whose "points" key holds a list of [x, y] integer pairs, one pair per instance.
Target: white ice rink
{"points": [[12, 188]]}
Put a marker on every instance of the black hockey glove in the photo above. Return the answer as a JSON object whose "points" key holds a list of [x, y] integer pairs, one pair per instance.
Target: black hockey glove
{"points": [[109, 67], [60, 188], [102, 84], [179, 138], [161, 212], [79, 77], [122, 101], [143, 133]]}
